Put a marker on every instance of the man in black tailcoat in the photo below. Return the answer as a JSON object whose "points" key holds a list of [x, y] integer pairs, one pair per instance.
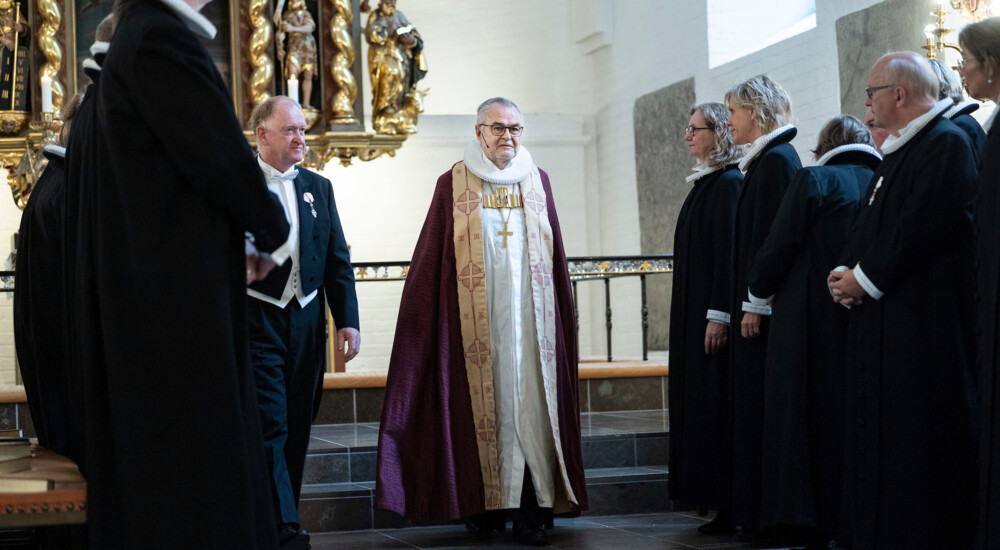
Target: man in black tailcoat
{"points": [[286, 314], [908, 276]]}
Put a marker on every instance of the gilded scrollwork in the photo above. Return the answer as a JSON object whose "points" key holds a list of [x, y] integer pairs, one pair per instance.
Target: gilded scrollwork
{"points": [[342, 106], [48, 43], [260, 38]]}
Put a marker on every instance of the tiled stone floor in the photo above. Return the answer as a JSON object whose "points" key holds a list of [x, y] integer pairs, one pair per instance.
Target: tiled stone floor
{"points": [[668, 531]]}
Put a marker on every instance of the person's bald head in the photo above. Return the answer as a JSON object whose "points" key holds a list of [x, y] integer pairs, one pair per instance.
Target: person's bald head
{"points": [[901, 86]]}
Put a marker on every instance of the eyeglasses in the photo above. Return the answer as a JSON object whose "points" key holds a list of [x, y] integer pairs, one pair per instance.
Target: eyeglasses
{"points": [[871, 91], [499, 129], [963, 62], [690, 130]]}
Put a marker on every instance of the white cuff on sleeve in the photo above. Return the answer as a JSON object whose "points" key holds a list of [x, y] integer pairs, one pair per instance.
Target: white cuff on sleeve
{"points": [[759, 301], [718, 316], [754, 308], [867, 283], [283, 252]]}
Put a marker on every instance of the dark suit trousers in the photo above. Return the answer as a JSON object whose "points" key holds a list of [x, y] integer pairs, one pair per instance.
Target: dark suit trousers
{"points": [[286, 347]]}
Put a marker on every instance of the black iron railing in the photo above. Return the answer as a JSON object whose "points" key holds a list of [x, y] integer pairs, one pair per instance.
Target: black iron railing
{"points": [[587, 268], [581, 269]]}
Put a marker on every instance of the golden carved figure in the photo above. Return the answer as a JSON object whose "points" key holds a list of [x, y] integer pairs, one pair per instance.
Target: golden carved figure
{"points": [[395, 64], [298, 56]]}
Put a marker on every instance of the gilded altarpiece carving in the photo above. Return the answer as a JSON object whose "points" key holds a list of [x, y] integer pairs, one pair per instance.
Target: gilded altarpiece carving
{"points": [[61, 31]]}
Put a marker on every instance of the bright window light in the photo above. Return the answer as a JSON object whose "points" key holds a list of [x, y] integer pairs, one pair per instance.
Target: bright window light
{"points": [[741, 27]]}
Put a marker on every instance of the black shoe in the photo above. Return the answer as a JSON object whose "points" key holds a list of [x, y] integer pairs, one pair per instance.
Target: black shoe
{"points": [[529, 536], [485, 523], [291, 537], [718, 526]]}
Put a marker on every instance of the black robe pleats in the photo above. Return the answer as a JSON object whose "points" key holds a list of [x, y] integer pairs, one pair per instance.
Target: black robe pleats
{"points": [[699, 383], [764, 184], [807, 347], [170, 186], [910, 477]]}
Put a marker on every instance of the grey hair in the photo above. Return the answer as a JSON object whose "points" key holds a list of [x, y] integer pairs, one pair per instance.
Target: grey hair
{"points": [[771, 106], [948, 83], [263, 113], [982, 40], [912, 73], [842, 130], [484, 106], [724, 151]]}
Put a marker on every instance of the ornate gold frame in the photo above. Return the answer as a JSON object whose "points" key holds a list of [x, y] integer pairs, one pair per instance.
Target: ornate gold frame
{"points": [[337, 130]]}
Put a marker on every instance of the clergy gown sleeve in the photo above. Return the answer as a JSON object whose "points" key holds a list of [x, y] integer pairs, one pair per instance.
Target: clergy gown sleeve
{"points": [[211, 153]]}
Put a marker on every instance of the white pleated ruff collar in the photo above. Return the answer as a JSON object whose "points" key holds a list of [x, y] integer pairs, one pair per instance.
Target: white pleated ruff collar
{"points": [[759, 144], [56, 150], [906, 133], [950, 113], [989, 121], [845, 148], [704, 169], [516, 170], [198, 23]]}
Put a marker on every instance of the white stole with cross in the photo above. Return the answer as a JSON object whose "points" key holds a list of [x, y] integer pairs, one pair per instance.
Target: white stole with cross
{"points": [[518, 290]]}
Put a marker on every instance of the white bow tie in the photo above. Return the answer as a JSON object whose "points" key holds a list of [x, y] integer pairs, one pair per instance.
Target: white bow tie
{"points": [[287, 176]]}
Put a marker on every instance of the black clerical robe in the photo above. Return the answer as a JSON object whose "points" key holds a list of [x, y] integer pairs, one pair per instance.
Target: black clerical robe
{"points": [[910, 477], [764, 183], [40, 309], [962, 118], [699, 383], [987, 331], [802, 478], [174, 451]]}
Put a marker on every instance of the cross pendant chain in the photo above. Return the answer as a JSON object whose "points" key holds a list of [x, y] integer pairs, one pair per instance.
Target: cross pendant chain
{"points": [[505, 234]]}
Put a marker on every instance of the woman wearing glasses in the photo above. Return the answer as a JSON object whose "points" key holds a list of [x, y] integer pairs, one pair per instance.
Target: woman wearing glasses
{"points": [[699, 319], [804, 384], [980, 69], [760, 114]]}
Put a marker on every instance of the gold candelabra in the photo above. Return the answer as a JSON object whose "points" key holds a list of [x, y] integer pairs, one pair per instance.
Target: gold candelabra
{"points": [[936, 43]]}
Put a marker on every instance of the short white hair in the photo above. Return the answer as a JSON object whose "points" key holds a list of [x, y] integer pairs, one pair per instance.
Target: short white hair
{"points": [[484, 106]]}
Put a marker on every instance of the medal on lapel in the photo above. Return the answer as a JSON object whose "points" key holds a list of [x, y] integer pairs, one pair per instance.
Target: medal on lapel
{"points": [[878, 184], [308, 197]]}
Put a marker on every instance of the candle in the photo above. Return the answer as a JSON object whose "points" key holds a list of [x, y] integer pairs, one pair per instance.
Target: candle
{"points": [[293, 88], [46, 94]]}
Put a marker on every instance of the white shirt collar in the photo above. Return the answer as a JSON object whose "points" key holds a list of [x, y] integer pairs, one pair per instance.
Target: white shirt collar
{"points": [[759, 144], [198, 23], [270, 172], [959, 105], [516, 170], [56, 150], [845, 148], [992, 117], [704, 169], [906, 133], [99, 47]]}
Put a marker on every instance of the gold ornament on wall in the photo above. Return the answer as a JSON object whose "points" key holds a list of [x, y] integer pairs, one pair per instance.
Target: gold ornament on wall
{"points": [[342, 106], [395, 63], [260, 38], [51, 19]]}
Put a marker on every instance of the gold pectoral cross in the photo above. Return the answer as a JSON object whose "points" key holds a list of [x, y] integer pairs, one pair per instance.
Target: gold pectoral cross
{"points": [[505, 234]]}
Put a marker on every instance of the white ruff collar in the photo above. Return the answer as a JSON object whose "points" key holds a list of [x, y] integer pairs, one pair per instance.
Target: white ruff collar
{"points": [[906, 133], [704, 169], [99, 47], [759, 144], [91, 64], [198, 23], [950, 113], [845, 148], [56, 150], [516, 170]]}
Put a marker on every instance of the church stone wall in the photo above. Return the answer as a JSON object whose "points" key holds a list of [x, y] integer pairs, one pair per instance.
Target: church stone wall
{"points": [[662, 162]]}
